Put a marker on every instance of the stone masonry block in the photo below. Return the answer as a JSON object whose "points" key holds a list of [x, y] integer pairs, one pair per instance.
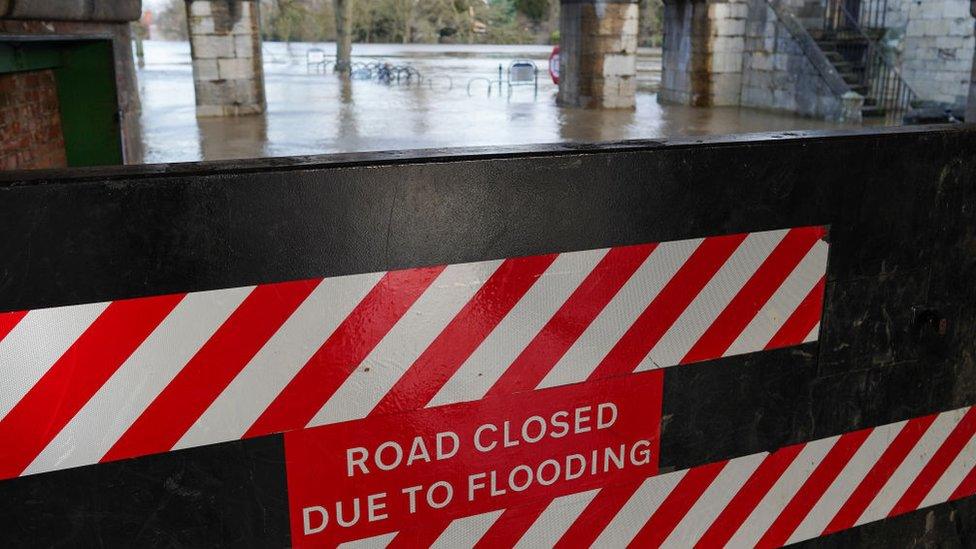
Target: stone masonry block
{"points": [[719, 10], [249, 12], [226, 92], [961, 27], [201, 24], [236, 68], [729, 27], [614, 19], [784, 99], [211, 110], [723, 62], [242, 28], [956, 9], [781, 62], [205, 69], [726, 88], [761, 79], [200, 7], [630, 23], [244, 45], [247, 23], [628, 43], [619, 65], [783, 80], [212, 46], [758, 97], [210, 92], [617, 92], [938, 27], [242, 91], [739, 11], [610, 44], [729, 44], [950, 43]]}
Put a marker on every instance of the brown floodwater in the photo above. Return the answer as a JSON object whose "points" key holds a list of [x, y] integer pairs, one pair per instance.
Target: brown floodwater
{"points": [[311, 112]]}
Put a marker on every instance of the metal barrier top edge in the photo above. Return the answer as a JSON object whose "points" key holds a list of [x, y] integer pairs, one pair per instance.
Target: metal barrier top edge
{"points": [[17, 178]]}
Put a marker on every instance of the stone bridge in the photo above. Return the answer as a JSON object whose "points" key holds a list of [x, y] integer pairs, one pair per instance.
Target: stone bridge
{"points": [[881, 58]]}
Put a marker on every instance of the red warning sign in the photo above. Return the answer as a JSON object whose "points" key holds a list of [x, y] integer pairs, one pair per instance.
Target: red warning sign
{"points": [[358, 479]]}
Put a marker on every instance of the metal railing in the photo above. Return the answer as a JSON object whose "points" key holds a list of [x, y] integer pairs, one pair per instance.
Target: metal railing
{"points": [[521, 72], [843, 14], [878, 80], [885, 84]]}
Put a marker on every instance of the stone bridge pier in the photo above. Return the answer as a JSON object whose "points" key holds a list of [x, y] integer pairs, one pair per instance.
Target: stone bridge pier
{"points": [[225, 45], [751, 53], [702, 57], [598, 53]]}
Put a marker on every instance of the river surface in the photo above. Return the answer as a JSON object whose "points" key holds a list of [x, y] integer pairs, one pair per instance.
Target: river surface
{"points": [[315, 112]]}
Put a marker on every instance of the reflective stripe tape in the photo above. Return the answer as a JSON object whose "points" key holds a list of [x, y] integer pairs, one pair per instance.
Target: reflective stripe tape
{"points": [[690, 507], [224, 364]]}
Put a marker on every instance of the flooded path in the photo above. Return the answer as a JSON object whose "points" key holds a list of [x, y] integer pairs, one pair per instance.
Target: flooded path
{"points": [[313, 113]]}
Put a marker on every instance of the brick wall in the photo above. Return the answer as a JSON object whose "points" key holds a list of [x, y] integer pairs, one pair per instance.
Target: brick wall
{"points": [[30, 122], [127, 90]]}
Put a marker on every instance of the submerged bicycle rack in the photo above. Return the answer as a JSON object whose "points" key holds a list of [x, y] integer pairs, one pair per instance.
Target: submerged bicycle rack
{"points": [[520, 72], [378, 70]]}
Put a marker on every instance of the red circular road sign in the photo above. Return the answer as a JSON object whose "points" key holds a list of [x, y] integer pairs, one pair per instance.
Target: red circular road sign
{"points": [[554, 65]]}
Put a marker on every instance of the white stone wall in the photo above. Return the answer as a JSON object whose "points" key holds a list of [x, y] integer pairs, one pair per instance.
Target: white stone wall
{"points": [[777, 73], [933, 43], [930, 42], [738, 52]]}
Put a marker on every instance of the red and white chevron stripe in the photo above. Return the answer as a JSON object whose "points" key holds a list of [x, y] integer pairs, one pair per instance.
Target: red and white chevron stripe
{"points": [[762, 500], [105, 381]]}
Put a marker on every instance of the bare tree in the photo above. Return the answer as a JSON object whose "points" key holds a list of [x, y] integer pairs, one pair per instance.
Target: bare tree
{"points": [[343, 14]]}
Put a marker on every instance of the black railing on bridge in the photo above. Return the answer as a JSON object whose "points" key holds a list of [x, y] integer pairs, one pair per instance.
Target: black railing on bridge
{"points": [[844, 14], [856, 26]]}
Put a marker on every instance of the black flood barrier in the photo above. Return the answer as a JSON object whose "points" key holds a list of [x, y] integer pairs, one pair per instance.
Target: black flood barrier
{"points": [[760, 339]]}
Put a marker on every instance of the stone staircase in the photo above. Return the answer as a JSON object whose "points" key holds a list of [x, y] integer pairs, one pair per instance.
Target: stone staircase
{"points": [[850, 37], [846, 51], [649, 68]]}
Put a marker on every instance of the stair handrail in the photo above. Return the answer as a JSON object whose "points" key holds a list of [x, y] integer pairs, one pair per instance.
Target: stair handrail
{"points": [[904, 95], [871, 13]]}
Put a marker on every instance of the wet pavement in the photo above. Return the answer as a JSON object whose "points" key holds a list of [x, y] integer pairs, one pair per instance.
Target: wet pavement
{"points": [[310, 112]]}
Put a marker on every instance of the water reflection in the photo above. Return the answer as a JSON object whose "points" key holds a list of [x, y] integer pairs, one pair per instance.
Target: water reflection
{"points": [[347, 111], [586, 125], [314, 113], [246, 136], [419, 107]]}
